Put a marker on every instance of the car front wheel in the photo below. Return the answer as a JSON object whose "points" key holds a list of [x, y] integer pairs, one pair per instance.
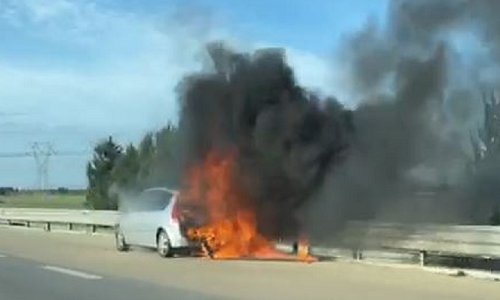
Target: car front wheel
{"points": [[163, 245], [121, 243]]}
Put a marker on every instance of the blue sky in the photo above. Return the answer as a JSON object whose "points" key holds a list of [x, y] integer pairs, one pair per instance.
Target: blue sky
{"points": [[74, 71]]}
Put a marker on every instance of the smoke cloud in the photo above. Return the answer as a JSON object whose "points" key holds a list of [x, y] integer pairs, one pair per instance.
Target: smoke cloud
{"points": [[418, 84], [287, 139], [311, 165]]}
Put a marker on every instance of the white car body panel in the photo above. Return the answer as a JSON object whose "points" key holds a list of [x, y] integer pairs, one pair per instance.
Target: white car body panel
{"points": [[141, 227]]}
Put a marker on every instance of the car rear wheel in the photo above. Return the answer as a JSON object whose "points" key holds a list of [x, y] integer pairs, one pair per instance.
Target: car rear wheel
{"points": [[121, 243], [163, 245]]}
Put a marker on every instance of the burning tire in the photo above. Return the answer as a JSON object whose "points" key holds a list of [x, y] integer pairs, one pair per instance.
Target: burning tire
{"points": [[206, 249], [163, 245], [120, 242]]}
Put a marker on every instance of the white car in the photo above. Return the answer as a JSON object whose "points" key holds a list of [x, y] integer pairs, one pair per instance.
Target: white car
{"points": [[158, 221]]}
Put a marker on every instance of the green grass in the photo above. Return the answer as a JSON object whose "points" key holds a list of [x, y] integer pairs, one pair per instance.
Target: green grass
{"points": [[47, 201]]}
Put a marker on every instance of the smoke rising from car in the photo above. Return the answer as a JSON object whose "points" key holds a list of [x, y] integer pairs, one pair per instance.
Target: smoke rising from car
{"points": [[310, 166], [286, 138]]}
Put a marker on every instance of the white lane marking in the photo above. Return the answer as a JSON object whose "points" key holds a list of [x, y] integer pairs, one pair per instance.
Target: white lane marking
{"points": [[71, 272]]}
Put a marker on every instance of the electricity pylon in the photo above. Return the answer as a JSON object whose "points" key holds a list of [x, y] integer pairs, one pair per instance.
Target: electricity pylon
{"points": [[42, 153]]}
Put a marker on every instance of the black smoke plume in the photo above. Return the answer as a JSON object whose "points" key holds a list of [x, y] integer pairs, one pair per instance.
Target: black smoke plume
{"points": [[417, 80], [287, 139]]}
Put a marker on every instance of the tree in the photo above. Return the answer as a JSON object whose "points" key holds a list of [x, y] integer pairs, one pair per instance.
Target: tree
{"points": [[99, 174], [166, 160], [147, 150], [125, 172], [159, 158], [155, 162], [486, 164], [495, 217], [487, 143]]}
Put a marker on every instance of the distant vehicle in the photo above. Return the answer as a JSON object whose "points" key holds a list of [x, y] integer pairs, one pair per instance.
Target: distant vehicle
{"points": [[159, 221]]}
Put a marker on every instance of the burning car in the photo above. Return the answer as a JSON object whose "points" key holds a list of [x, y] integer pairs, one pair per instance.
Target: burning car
{"points": [[213, 211], [161, 222], [171, 223]]}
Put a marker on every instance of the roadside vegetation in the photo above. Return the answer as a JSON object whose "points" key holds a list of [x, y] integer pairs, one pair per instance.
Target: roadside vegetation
{"points": [[38, 200], [115, 167]]}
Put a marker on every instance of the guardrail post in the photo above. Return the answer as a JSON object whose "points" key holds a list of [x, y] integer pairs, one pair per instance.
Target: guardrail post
{"points": [[295, 248], [91, 228], [28, 224], [70, 226], [47, 226], [357, 254], [422, 257]]}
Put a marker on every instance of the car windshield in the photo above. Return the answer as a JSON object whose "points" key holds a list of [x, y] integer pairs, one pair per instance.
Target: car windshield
{"points": [[249, 149]]}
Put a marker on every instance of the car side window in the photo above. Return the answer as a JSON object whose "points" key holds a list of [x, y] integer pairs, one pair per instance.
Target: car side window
{"points": [[156, 200]]}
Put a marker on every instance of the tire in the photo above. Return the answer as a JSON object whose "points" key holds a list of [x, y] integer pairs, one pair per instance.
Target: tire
{"points": [[207, 250], [163, 245], [120, 242]]}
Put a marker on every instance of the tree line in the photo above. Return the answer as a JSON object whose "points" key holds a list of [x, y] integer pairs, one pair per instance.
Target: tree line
{"points": [[485, 171], [113, 167]]}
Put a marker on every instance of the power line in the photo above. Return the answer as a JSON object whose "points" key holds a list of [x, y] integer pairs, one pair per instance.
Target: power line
{"points": [[30, 154], [15, 154], [42, 152]]}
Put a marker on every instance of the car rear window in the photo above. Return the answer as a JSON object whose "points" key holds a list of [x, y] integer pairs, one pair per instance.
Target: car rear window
{"points": [[156, 199]]}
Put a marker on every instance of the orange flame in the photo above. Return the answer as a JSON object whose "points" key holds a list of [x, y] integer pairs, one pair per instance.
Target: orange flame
{"points": [[232, 230]]}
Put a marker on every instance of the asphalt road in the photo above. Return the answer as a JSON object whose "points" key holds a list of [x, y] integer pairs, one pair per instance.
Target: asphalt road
{"points": [[22, 279], [39, 265]]}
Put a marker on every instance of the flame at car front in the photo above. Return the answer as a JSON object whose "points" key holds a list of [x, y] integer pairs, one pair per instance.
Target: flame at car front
{"points": [[231, 230]]}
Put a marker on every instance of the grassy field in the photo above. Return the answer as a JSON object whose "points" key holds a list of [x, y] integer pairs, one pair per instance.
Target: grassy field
{"points": [[47, 201]]}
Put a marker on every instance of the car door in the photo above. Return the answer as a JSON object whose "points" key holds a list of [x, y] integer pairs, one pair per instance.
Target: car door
{"points": [[129, 220]]}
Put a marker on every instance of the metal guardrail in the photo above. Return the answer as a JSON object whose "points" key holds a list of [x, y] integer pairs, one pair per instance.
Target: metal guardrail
{"points": [[478, 241], [69, 219], [358, 240], [419, 243]]}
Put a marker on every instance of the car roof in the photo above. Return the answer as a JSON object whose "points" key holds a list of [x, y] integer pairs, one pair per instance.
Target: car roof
{"points": [[162, 189]]}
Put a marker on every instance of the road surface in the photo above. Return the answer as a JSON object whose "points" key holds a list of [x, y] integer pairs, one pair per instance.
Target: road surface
{"points": [[78, 266], [22, 279]]}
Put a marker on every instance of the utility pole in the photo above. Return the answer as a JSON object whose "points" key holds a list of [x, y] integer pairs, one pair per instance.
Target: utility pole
{"points": [[42, 153]]}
